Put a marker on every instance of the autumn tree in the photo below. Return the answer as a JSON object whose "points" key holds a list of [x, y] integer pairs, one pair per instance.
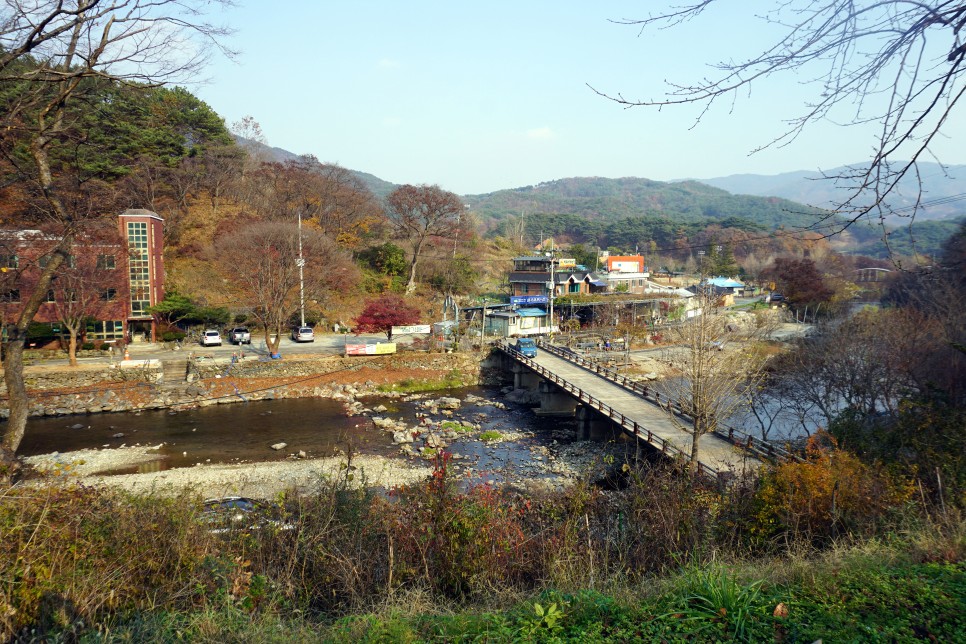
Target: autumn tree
{"points": [[51, 54], [421, 214], [895, 64], [259, 269], [800, 281], [381, 314]]}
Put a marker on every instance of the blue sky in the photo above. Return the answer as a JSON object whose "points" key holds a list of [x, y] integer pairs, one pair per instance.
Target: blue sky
{"points": [[483, 96]]}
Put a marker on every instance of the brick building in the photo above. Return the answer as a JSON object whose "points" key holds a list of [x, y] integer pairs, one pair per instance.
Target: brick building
{"points": [[115, 274]]}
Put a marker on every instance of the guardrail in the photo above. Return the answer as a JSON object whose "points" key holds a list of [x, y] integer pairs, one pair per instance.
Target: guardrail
{"points": [[734, 436], [629, 425]]}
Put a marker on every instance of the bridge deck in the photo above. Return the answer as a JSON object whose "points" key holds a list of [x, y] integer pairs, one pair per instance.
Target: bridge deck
{"points": [[715, 453]]}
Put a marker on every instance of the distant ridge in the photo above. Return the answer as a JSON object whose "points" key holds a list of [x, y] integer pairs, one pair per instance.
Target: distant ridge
{"points": [[809, 187]]}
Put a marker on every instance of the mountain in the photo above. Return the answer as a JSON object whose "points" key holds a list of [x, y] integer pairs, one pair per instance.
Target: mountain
{"points": [[944, 189], [608, 200]]}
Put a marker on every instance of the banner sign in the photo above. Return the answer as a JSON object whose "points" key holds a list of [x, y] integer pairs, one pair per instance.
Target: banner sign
{"points": [[566, 263], [379, 349], [528, 299], [415, 328]]}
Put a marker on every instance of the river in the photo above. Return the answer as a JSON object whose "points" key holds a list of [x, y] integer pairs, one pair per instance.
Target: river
{"points": [[319, 427]]}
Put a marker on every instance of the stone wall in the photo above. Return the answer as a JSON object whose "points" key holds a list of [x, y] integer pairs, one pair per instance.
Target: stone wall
{"points": [[220, 381]]}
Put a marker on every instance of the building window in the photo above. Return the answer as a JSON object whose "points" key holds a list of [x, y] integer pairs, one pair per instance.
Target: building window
{"points": [[109, 294], [139, 267], [106, 263], [574, 288], [50, 296], [70, 262], [10, 296], [9, 261], [105, 330]]}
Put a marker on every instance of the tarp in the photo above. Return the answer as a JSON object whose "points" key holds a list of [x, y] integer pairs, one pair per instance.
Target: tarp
{"points": [[597, 283], [531, 312]]}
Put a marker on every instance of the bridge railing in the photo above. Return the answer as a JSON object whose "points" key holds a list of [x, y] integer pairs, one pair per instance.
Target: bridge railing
{"points": [[629, 425], [734, 436]]}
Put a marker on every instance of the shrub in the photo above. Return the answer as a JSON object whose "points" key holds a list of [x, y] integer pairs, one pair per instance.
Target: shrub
{"points": [[830, 494], [172, 336]]}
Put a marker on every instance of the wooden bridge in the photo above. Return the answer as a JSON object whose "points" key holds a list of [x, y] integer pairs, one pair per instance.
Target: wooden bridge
{"points": [[643, 414]]}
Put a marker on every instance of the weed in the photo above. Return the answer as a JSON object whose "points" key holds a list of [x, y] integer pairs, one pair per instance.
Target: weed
{"points": [[714, 601], [490, 435]]}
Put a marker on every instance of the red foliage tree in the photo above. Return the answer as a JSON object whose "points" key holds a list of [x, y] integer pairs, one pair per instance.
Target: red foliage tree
{"points": [[385, 312]]}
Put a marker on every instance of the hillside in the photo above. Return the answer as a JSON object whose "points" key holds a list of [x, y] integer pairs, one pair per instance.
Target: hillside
{"points": [[630, 210], [378, 187]]}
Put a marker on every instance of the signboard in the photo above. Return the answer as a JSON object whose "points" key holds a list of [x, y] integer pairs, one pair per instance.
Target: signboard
{"points": [[414, 328], [382, 348], [528, 299], [566, 263]]}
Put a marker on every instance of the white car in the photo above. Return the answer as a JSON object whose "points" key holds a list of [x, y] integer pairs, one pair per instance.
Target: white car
{"points": [[211, 339], [303, 334]]}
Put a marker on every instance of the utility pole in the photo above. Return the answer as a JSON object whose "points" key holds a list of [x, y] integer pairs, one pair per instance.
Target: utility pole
{"points": [[552, 285], [300, 262]]}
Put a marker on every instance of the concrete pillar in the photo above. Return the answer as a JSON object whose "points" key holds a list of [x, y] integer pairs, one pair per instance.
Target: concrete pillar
{"points": [[554, 401], [524, 378], [591, 425]]}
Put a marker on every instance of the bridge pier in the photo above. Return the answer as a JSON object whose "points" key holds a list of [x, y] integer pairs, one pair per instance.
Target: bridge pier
{"points": [[524, 378], [554, 401], [591, 425]]}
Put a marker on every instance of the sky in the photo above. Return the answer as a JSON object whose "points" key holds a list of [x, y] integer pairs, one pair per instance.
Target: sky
{"points": [[484, 96]]}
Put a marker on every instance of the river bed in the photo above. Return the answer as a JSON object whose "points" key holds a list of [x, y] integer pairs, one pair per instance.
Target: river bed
{"points": [[196, 444]]}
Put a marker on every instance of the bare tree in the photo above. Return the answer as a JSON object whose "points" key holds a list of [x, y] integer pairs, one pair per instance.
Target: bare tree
{"points": [[48, 49], [421, 213], [91, 286], [896, 64], [259, 266], [719, 366]]}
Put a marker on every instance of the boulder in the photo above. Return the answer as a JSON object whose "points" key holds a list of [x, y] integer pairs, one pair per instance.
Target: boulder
{"points": [[279, 446], [402, 437], [448, 403]]}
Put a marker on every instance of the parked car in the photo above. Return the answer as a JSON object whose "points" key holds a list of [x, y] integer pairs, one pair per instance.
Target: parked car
{"points": [[526, 347], [303, 334], [240, 335], [211, 339]]}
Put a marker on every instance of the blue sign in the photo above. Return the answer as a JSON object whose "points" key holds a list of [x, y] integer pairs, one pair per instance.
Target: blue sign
{"points": [[528, 299]]}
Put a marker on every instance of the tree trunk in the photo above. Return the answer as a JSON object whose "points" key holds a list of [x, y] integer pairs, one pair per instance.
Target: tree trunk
{"points": [[72, 348], [411, 285], [18, 404]]}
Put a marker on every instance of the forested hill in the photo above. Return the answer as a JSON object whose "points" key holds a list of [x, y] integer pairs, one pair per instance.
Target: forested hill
{"points": [[607, 200]]}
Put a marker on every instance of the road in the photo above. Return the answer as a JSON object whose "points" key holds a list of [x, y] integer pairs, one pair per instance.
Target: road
{"points": [[325, 344]]}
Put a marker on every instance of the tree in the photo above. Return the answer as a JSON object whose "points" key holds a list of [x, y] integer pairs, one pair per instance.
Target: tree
{"points": [[258, 266], [51, 54], [383, 313], [91, 286], [892, 63], [719, 368], [420, 214], [800, 281]]}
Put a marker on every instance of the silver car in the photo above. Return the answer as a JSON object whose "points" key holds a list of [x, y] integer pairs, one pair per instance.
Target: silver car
{"points": [[303, 334], [211, 339]]}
